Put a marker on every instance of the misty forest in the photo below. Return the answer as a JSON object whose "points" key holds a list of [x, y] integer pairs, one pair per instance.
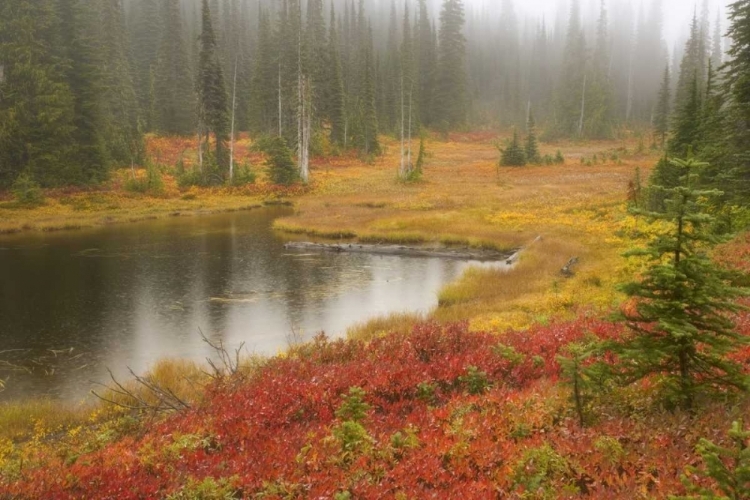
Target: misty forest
{"points": [[357, 249]]}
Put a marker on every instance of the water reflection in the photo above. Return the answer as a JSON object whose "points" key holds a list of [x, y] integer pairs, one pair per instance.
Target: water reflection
{"points": [[74, 304]]}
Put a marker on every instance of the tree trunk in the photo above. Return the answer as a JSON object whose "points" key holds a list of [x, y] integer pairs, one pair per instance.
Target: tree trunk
{"points": [[408, 162], [280, 101], [234, 108], [402, 168], [583, 107]]}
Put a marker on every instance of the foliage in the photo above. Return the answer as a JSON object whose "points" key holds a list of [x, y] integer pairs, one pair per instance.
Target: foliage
{"points": [[26, 191], [280, 164], [151, 183], [513, 155], [727, 467], [679, 323], [584, 378]]}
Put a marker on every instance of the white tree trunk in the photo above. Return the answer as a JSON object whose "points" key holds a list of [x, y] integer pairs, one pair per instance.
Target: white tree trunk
{"points": [[231, 139], [408, 161], [280, 128]]}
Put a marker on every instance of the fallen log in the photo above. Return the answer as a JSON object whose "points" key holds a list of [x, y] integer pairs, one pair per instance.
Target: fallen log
{"points": [[405, 251], [567, 269]]}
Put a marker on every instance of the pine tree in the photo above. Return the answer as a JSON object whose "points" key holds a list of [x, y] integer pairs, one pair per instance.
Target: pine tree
{"points": [[173, 90], [571, 93], [426, 55], [451, 86], [280, 163], [369, 125], [36, 125], [692, 67], [513, 155], [316, 63], [680, 329], [212, 95], [598, 119], [532, 146], [661, 118]]}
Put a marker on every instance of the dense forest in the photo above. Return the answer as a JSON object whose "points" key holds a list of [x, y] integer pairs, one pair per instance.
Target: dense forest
{"points": [[81, 82]]}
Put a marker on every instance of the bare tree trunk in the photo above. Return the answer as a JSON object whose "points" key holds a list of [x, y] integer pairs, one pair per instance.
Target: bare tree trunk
{"points": [[408, 162], [200, 144], [402, 168], [280, 129], [305, 129], [583, 106], [234, 108], [528, 114], [629, 106]]}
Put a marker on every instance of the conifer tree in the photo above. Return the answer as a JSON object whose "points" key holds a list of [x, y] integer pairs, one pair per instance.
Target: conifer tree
{"points": [[661, 117], [513, 155], [426, 65], [145, 37], [337, 111], [173, 90], [119, 102], [692, 67], [737, 86], [532, 146], [369, 125], [598, 119], [451, 86], [264, 99], [36, 125], [680, 329], [82, 63], [687, 123], [212, 94], [316, 63], [571, 92], [280, 163]]}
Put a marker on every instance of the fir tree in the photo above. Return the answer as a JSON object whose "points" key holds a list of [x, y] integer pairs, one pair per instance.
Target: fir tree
{"points": [[264, 99], [212, 94], [680, 329], [119, 102], [687, 123], [661, 118], [532, 146], [173, 90], [36, 125], [369, 123], [83, 75], [426, 55], [451, 86], [280, 163], [737, 85], [145, 36], [571, 92], [513, 155], [337, 110]]}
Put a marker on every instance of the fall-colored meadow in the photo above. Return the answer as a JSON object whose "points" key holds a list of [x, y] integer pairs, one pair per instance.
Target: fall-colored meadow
{"points": [[468, 401]]}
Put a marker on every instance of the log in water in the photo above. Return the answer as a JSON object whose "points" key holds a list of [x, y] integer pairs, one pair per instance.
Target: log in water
{"points": [[403, 251]]}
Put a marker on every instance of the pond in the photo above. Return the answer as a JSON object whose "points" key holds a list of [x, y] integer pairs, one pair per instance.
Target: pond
{"points": [[73, 305]]}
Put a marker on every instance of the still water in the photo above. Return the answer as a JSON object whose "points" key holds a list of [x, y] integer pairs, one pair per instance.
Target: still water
{"points": [[74, 304]]}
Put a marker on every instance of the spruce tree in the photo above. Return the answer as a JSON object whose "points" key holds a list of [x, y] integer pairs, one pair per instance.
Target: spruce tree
{"points": [[36, 125], [680, 329], [281, 167], [687, 123], [513, 155], [82, 63], [426, 65], [369, 122], [212, 94], [145, 37], [737, 86], [173, 91], [264, 98], [119, 102], [451, 86], [661, 117], [532, 146], [337, 110]]}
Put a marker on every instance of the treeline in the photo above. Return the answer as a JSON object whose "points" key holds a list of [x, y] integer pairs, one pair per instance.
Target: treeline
{"points": [[81, 82]]}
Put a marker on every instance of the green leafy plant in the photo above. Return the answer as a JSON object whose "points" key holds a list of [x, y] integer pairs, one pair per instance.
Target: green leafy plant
{"points": [[26, 191]]}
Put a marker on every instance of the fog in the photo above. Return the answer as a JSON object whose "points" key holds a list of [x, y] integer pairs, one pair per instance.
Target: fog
{"points": [[677, 13]]}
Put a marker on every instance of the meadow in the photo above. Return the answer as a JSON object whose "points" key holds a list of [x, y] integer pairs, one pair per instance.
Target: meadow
{"points": [[467, 401]]}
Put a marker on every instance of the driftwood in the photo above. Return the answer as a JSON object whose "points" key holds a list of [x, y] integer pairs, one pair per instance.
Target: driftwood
{"points": [[405, 251], [567, 269]]}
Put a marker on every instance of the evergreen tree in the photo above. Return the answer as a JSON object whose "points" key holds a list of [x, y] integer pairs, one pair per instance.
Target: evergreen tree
{"points": [[532, 146], [451, 86], [212, 94], [145, 36], [337, 111], [513, 155], [571, 93], [280, 164], [737, 86], [426, 55], [264, 98], [687, 123], [119, 102], [317, 64], [369, 123], [693, 66], [598, 119], [680, 328], [661, 117], [82, 63], [173, 89], [36, 105]]}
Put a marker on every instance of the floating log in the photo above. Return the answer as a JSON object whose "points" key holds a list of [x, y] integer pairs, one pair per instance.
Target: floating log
{"points": [[405, 251]]}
